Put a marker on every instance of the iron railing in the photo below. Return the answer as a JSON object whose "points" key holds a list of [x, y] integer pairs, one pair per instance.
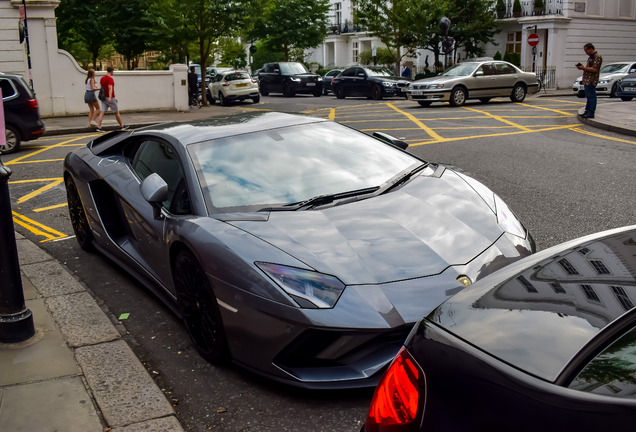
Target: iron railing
{"points": [[552, 7], [547, 75]]}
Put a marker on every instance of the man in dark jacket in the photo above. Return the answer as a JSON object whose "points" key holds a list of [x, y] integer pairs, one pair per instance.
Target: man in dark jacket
{"points": [[193, 84]]}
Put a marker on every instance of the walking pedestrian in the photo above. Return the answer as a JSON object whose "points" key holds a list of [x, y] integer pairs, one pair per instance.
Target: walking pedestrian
{"points": [[91, 99], [406, 72], [109, 101], [591, 74], [193, 85]]}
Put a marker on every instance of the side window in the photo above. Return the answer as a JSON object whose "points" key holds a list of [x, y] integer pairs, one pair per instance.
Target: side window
{"points": [[612, 372], [7, 89], [219, 78], [360, 71], [349, 72], [487, 69], [158, 157], [503, 69]]}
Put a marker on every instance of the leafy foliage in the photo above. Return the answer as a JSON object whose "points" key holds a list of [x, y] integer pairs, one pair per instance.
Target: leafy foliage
{"points": [[132, 28], [497, 56], [383, 56], [501, 6], [233, 53], [516, 6]]}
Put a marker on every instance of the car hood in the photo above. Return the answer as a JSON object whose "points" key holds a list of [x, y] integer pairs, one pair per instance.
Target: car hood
{"points": [[535, 314], [607, 76], [418, 230], [437, 79]]}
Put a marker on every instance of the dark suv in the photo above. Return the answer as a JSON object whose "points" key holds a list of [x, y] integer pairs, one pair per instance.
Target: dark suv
{"points": [[288, 78], [21, 113]]}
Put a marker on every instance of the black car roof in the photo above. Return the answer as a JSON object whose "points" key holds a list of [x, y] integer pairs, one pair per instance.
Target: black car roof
{"points": [[538, 313], [229, 125]]}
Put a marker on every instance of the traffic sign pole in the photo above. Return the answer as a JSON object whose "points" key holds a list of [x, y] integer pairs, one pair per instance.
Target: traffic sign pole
{"points": [[533, 41]]}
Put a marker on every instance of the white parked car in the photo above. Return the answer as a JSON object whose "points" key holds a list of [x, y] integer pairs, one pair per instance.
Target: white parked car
{"points": [[233, 85], [608, 81]]}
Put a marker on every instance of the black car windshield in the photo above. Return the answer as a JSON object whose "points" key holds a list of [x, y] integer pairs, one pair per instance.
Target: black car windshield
{"points": [[615, 68], [378, 72], [288, 165], [292, 68], [463, 69]]}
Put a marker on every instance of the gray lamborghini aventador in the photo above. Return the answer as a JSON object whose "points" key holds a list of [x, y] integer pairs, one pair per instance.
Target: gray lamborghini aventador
{"points": [[296, 247]]}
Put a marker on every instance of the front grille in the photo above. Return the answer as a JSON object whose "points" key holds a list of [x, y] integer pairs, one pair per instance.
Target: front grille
{"points": [[402, 84], [420, 87]]}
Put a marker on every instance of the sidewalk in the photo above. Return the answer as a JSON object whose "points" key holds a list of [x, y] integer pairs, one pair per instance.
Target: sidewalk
{"points": [[617, 117], [76, 374]]}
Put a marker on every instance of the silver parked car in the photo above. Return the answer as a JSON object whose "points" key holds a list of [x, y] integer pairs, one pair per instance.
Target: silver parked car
{"points": [[481, 80], [608, 81]]}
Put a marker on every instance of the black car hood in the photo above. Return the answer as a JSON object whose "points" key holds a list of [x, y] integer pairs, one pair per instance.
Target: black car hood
{"points": [[538, 316], [419, 230]]}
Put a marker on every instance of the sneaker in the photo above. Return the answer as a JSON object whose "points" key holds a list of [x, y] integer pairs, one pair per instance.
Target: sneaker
{"points": [[124, 127], [94, 123], [99, 129]]}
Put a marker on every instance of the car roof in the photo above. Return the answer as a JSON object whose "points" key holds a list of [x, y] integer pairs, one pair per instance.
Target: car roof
{"points": [[228, 125], [538, 313]]}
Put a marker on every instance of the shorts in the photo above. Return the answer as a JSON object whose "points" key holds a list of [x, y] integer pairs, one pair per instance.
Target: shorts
{"points": [[112, 105], [89, 97]]}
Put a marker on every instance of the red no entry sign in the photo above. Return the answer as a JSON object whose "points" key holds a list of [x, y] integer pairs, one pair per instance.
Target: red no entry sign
{"points": [[533, 39]]}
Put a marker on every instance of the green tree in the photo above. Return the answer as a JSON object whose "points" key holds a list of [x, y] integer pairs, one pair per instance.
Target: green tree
{"points": [[233, 53], [132, 25], [392, 22], [174, 36], [516, 6], [383, 56], [497, 56], [82, 28], [292, 24]]}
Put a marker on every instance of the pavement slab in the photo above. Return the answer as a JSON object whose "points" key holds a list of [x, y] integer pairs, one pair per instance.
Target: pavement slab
{"points": [[619, 117], [50, 406], [123, 389], [51, 279], [166, 424], [27, 287], [28, 253], [80, 320]]}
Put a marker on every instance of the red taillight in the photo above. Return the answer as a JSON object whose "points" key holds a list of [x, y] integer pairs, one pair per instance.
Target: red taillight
{"points": [[255, 81], [32, 104], [225, 83], [332, 79], [398, 398]]}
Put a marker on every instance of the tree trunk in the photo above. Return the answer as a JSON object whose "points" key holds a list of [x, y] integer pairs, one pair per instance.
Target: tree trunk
{"points": [[286, 51], [94, 61]]}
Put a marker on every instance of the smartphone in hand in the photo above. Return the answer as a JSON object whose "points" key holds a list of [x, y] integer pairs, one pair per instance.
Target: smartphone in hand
{"points": [[579, 64]]}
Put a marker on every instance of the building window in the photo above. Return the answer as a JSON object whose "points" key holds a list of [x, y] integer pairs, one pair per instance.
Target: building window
{"points": [[526, 283], [590, 294], [338, 9], [355, 51], [622, 297], [513, 44], [569, 268], [599, 267], [557, 288], [584, 251]]}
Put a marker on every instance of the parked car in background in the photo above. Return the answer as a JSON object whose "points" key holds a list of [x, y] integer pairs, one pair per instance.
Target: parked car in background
{"points": [[608, 81], [300, 248], [233, 85], [374, 82], [627, 87], [213, 71], [289, 78], [327, 79], [481, 80], [545, 344], [21, 112]]}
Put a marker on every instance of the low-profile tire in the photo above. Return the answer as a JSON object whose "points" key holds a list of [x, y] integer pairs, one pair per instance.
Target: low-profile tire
{"points": [[77, 214], [518, 93], [199, 308], [425, 103], [614, 91], [376, 92], [13, 140], [626, 98], [287, 90], [223, 99], [484, 100], [339, 92], [458, 97], [209, 97], [263, 89], [318, 93], [256, 99], [580, 94]]}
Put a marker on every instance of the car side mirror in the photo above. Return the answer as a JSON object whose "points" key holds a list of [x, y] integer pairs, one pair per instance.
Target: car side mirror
{"points": [[154, 190], [479, 73], [362, 75], [277, 71], [391, 140]]}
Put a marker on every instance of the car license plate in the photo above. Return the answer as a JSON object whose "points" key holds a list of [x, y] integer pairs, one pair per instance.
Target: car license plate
{"points": [[241, 85], [630, 89], [311, 84], [581, 87], [417, 92]]}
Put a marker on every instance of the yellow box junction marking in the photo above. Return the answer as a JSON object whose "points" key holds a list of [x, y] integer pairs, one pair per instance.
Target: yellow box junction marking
{"points": [[52, 183], [56, 206], [547, 109], [21, 158], [411, 117], [37, 228], [603, 136], [332, 114], [498, 118]]}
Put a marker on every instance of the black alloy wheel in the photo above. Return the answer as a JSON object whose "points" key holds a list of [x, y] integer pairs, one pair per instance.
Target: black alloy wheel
{"points": [[287, 90], [614, 92], [339, 91], [626, 98], [518, 93], [223, 99], [12, 140], [79, 221], [199, 308], [424, 103], [458, 97], [484, 100], [376, 92], [263, 89]]}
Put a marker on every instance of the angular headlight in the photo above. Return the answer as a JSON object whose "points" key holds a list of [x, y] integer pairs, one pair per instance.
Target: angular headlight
{"points": [[507, 219], [319, 79], [605, 81], [388, 84], [436, 86], [319, 289], [295, 79]]}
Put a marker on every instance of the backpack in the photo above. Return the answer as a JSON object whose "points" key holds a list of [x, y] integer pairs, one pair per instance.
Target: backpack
{"points": [[102, 95]]}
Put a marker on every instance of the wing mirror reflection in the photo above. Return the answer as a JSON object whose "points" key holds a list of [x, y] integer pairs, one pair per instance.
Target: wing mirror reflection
{"points": [[391, 140], [479, 73], [154, 190]]}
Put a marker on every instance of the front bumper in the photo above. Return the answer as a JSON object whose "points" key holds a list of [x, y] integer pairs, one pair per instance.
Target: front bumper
{"points": [[625, 90], [306, 87], [601, 89], [349, 345], [434, 95]]}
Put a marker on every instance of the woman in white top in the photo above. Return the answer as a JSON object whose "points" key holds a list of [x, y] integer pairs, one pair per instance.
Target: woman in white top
{"points": [[91, 99]]}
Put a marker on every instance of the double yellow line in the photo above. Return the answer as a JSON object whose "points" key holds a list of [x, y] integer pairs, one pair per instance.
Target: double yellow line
{"points": [[37, 228]]}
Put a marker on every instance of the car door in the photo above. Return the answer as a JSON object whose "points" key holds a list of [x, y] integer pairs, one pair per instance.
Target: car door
{"points": [[217, 85], [346, 81], [277, 78], [153, 155], [482, 82], [505, 79], [361, 83]]}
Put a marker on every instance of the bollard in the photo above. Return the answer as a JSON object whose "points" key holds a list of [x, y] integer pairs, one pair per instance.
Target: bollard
{"points": [[16, 320]]}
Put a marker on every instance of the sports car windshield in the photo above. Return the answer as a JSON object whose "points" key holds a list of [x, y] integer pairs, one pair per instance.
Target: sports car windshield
{"points": [[463, 69], [282, 166]]}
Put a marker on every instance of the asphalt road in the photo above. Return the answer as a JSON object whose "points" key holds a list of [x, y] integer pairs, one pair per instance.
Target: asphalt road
{"points": [[563, 180]]}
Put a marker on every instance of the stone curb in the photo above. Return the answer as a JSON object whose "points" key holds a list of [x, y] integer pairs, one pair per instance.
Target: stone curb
{"points": [[76, 130], [606, 125], [125, 394]]}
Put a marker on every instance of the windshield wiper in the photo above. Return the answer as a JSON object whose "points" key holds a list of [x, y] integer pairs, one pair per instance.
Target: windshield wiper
{"points": [[321, 199], [403, 179]]}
